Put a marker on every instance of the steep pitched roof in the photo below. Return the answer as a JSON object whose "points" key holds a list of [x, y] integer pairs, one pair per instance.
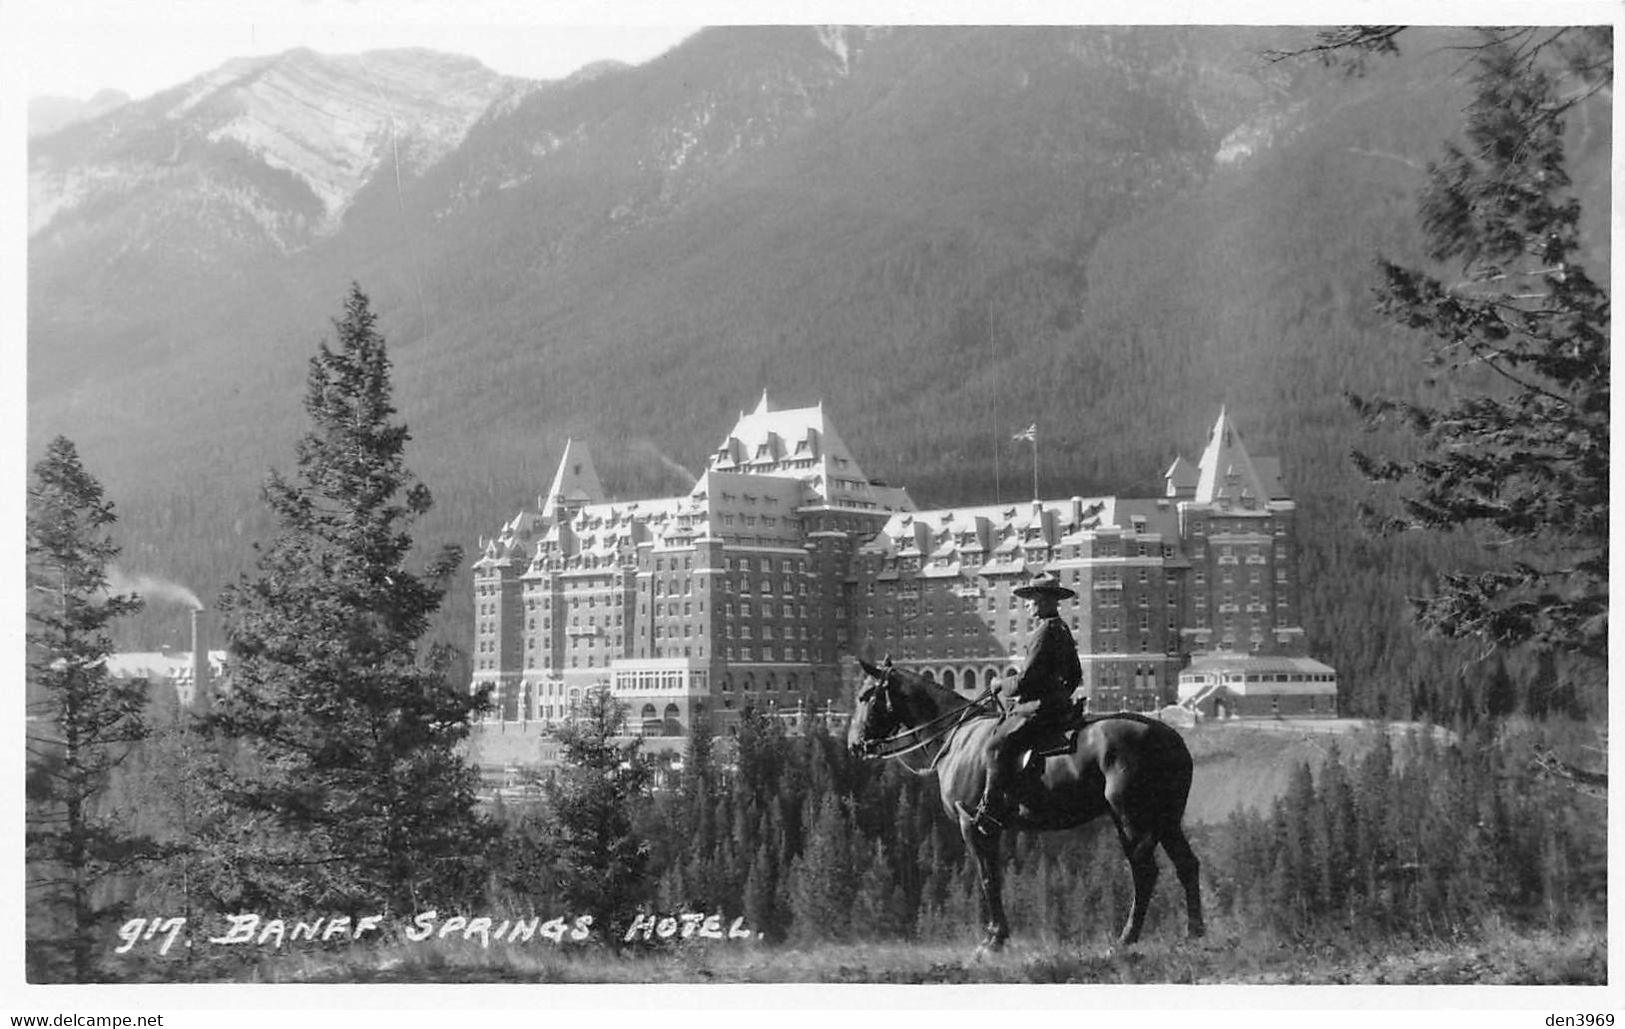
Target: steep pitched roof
{"points": [[576, 481], [1181, 475], [1226, 471], [799, 443]]}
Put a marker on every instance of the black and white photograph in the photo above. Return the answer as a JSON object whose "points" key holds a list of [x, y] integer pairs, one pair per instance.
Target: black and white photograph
{"points": [[668, 510]]}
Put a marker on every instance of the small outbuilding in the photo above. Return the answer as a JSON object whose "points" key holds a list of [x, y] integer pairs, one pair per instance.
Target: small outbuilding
{"points": [[1258, 686]]}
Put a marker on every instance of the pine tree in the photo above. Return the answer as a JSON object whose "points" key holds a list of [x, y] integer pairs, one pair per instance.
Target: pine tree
{"points": [[1339, 817], [172, 790], [351, 785], [821, 882], [876, 905], [601, 861], [760, 896], [1518, 451], [81, 721]]}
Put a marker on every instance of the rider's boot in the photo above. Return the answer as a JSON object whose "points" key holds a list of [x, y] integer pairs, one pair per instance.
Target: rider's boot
{"points": [[989, 815]]}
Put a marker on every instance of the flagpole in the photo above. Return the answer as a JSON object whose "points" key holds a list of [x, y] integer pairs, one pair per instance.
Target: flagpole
{"points": [[993, 359], [1035, 467]]}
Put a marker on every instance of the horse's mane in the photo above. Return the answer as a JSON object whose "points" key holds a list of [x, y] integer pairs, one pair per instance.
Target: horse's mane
{"points": [[951, 699]]}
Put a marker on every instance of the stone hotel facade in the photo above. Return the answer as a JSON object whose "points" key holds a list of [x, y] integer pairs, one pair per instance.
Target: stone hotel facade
{"points": [[784, 560]]}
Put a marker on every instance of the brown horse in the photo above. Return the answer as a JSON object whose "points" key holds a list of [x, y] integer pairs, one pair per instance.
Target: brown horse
{"points": [[1133, 768]]}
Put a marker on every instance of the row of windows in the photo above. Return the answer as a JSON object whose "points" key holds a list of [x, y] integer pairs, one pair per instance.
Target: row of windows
{"points": [[1219, 526], [770, 682], [1037, 550], [766, 653], [1226, 575]]}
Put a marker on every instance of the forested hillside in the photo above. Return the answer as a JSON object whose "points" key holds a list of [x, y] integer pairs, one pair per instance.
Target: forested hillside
{"points": [[943, 234]]}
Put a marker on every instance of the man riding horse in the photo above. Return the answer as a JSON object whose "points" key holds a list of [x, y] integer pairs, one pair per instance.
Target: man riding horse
{"points": [[1037, 701]]}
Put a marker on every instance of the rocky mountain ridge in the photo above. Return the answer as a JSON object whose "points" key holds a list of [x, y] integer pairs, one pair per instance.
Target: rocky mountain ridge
{"points": [[299, 135]]}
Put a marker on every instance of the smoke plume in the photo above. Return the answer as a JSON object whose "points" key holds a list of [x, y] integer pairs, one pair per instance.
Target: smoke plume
{"points": [[152, 588], [649, 447]]}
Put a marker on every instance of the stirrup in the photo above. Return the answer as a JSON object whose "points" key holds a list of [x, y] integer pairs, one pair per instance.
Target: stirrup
{"points": [[981, 819]]}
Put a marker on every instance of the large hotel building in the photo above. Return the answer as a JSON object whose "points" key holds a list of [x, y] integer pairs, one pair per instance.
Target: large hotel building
{"points": [[785, 560]]}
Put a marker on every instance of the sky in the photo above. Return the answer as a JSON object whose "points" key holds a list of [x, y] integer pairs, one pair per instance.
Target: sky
{"points": [[75, 48]]}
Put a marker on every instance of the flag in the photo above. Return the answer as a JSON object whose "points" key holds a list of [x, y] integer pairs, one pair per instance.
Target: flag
{"points": [[1030, 433]]}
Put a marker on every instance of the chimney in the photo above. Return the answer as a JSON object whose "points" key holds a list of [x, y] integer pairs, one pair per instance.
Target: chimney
{"points": [[200, 663]]}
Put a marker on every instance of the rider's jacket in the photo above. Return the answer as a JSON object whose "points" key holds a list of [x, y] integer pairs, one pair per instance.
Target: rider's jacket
{"points": [[1051, 671]]}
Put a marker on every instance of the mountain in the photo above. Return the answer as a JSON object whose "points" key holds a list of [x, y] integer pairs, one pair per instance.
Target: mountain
{"points": [[47, 114], [302, 133], [944, 233]]}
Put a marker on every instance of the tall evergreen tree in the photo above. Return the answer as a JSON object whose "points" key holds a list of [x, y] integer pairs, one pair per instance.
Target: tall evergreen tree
{"points": [[1517, 452], [601, 860], [81, 721], [821, 879], [349, 770]]}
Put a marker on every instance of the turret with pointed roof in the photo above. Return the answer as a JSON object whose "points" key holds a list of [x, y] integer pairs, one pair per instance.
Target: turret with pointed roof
{"points": [[575, 483], [1226, 472]]}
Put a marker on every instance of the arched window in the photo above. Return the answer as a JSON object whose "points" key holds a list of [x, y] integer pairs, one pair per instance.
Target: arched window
{"points": [[990, 677], [948, 679]]}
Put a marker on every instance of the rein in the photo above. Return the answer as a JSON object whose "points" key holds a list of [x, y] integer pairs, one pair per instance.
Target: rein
{"points": [[918, 737]]}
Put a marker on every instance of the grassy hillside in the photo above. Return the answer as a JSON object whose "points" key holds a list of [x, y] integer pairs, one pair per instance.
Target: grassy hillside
{"points": [[1229, 956]]}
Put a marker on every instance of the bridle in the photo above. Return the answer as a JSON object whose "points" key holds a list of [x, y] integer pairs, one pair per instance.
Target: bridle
{"points": [[913, 738]]}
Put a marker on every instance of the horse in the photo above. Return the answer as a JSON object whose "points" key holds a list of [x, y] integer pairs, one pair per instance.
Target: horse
{"points": [[1132, 768]]}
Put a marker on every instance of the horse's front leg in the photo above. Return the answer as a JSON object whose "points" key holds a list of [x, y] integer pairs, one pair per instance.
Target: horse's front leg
{"points": [[990, 876]]}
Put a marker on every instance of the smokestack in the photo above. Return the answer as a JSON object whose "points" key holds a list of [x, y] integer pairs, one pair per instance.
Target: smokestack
{"points": [[200, 663]]}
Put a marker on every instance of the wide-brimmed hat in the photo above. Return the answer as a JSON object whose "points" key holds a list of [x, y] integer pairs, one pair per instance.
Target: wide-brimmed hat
{"points": [[1044, 586]]}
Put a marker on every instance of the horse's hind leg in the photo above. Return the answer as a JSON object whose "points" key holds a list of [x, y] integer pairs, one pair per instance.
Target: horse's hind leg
{"points": [[1141, 851], [1188, 868]]}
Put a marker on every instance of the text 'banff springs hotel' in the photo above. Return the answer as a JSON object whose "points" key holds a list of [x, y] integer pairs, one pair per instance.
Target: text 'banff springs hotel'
{"points": [[784, 561]]}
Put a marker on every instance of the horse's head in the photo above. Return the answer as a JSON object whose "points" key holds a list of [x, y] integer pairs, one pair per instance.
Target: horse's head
{"points": [[875, 715]]}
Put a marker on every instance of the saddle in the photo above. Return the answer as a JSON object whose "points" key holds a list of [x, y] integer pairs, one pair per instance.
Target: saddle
{"points": [[1058, 738]]}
